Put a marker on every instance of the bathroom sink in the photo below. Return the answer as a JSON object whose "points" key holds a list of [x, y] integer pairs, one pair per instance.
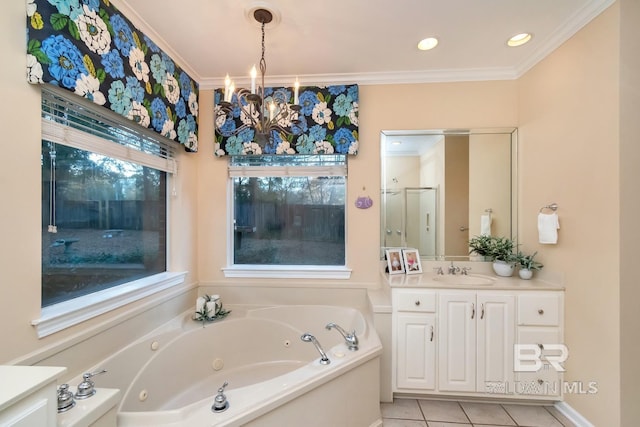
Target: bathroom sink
{"points": [[460, 279]]}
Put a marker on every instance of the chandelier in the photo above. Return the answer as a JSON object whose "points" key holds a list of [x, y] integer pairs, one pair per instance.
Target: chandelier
{"points": [[263, 115]]}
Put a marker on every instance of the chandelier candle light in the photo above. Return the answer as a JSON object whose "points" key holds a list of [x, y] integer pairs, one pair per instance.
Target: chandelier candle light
{"points": [[277, 116]]}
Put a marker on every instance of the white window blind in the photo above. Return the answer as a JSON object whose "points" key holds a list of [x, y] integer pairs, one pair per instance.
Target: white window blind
{"points": [[79, 124], [300, 165]]}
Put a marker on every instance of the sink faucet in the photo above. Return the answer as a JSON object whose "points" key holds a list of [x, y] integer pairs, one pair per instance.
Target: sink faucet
{"points": [[351, 340], [307, 337], [453, 269]]}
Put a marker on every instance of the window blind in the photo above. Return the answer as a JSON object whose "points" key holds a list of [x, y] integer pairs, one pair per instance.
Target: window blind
{"points": [[280, 165], [79, 124]]}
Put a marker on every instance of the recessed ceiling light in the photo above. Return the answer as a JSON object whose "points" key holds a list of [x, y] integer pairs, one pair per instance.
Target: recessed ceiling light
{"points": [[519, 39], [428, 43]]}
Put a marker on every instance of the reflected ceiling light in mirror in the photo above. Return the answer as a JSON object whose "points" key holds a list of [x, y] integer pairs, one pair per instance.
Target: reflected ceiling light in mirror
{"points": [[519, 39], [428, 43]]}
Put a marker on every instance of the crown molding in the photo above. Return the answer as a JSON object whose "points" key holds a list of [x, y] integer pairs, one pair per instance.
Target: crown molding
{"points": [[563, 33], [377, 78]]}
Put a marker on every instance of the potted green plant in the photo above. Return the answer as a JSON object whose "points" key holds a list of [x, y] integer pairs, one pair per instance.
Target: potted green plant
{"points": [[527, 264], [480, 246], [501, 252]]}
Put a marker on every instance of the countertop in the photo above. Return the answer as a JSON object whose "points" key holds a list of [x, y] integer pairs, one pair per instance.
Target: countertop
{"points": [[20, 381], [480, 272]]}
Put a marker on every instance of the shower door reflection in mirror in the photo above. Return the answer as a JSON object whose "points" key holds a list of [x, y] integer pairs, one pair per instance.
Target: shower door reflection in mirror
{"points": [[410, 219]]}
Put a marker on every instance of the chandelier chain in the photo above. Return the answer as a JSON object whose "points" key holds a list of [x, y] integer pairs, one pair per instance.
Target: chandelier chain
{"points": [[263, 62]]}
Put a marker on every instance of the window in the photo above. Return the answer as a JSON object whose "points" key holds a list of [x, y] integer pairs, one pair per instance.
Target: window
{"points": [[104, 201], [288, 211]]}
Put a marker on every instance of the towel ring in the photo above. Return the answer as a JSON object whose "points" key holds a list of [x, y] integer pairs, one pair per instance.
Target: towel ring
{"points": [[552, 206]]}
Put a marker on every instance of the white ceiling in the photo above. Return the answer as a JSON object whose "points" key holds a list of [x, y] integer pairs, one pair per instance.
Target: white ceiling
{"points": [[359, 41]]}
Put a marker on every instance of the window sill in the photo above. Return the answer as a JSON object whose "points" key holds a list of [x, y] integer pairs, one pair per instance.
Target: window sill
{"points": [[68, 313], [287, 272]]}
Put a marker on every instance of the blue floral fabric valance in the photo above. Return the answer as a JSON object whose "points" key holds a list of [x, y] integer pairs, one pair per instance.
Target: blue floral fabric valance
{"points": [[328, 124], [90, 48]]}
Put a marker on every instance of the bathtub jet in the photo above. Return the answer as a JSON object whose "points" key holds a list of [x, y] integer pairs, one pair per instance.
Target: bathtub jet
{"points": [[307, 337]]}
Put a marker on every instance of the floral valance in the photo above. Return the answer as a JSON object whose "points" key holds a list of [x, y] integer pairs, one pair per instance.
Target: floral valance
{"points": [[327, 124], [90, 48]]}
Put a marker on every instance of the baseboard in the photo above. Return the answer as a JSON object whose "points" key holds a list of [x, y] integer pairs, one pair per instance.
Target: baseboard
{"points": [[573, 415]]}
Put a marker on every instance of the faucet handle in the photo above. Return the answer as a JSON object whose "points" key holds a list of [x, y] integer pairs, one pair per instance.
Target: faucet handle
{"points": [[465, 270], [65, 398], [438, 270], [87, 387]]}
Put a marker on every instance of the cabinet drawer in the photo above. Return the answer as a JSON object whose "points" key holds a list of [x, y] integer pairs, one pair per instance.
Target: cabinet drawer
{"points": [[543, 310], [545, 380], [413, 300], [542, 337]]}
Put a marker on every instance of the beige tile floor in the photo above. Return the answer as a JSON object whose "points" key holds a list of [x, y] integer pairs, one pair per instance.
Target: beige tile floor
{"points": [[448, 413]]}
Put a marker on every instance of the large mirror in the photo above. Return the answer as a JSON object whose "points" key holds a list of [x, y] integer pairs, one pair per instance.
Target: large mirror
{"points": [[442, 187]]}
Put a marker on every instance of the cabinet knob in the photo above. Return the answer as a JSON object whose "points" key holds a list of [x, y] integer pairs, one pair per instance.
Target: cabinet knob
{"points": [[417, 302], [540, 311], [540, 381]]}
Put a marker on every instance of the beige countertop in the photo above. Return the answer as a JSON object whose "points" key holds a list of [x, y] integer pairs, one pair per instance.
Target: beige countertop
{"points": [[480, 277], [20, 381]]}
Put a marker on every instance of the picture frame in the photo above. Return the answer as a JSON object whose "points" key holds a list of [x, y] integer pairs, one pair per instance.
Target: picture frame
{"points": [[412, 263], [395, 261]]}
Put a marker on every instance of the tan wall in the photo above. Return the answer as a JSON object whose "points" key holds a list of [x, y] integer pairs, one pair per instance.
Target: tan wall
{"points": [[569, 154], [629, 210], [20, 219], [456, 194], [424, 106], [490, 182]]}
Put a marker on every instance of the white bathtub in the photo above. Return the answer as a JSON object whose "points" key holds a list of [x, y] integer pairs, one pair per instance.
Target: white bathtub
{"points": [[171, 378]]}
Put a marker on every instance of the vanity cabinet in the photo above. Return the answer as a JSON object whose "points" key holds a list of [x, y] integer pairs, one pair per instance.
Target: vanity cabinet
{"points": [[462, 342], [28, 395], [476, 340], [539, 325], [414, 347]]}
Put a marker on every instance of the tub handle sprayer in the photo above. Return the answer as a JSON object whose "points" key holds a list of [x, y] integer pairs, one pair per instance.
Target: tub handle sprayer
{"points": [[307, 337], [350, 339]]}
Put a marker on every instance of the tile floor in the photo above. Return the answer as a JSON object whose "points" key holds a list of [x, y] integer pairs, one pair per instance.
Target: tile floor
{"points": [[405, 412]]}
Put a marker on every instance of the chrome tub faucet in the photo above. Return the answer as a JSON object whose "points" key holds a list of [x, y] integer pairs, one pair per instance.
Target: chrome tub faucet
{"points": [[350, 339], [307, 337]]}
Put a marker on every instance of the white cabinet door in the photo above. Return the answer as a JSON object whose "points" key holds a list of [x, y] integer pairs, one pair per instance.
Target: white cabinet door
{"points": [[457, 341], [496, 330], [415, 357]]}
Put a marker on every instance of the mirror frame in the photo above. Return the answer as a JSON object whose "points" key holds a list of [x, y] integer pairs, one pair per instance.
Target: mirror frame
{"points": [[512, 131]]}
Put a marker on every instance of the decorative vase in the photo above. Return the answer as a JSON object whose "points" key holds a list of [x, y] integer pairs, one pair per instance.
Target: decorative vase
{"points": [[503, 269], [525, 273]]}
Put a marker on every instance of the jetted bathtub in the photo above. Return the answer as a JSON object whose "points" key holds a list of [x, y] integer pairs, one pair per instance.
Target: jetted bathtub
{"points": [[171, 378]]}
